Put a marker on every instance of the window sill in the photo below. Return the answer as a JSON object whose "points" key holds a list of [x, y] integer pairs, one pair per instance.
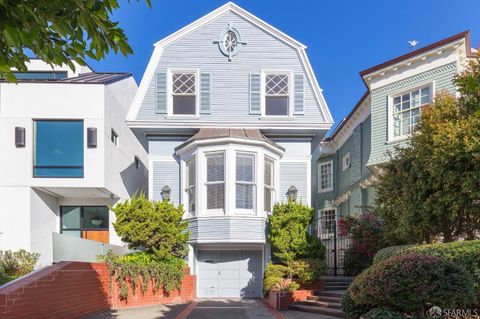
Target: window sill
{"points": [[397, 140], [183, 117], [326, 190]]}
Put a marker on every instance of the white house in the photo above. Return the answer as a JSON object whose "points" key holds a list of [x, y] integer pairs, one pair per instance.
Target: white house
{"points": [[66, 155], [230, 110]]}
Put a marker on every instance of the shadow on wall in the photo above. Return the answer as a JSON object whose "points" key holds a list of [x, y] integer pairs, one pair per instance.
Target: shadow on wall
{"points": [[135, 178]]}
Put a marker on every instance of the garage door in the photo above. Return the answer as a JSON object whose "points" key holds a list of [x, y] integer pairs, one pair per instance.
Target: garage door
{"points": [[229, 273]]}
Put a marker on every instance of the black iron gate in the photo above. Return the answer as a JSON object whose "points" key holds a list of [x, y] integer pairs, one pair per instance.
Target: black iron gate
{"points": [[341, 247]]}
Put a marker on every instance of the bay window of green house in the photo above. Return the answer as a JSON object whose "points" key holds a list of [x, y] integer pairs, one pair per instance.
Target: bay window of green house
{"points": [[58, 148], [88, 222]]}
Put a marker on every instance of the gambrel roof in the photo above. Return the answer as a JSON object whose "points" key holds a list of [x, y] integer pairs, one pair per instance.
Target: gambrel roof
{"points": [[228, 7]]}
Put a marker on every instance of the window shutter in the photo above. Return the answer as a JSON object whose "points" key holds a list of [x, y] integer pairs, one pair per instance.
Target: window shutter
{"points": [[161, 88], [299, 94], [254, 93], [205, 93]]}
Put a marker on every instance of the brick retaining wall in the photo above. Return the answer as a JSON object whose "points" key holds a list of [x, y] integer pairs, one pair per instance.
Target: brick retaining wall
{"points": [[73, 290]]}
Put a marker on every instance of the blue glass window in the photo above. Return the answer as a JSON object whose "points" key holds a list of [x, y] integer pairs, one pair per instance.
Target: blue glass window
{"points": [[39, 75], [58, 149]]}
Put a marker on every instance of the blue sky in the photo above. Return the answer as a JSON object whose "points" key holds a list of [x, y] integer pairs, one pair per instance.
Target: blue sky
{"points": [[343, 37]]}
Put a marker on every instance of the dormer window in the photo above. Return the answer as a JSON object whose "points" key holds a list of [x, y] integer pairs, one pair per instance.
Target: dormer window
{"points": [[277, 94], [184, 93], [406, 111]]}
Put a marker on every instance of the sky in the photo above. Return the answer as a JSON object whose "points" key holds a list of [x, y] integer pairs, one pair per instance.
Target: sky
{"points": [[342, 37]]}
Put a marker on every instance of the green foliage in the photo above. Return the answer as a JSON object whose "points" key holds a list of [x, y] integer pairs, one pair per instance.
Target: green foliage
{"points": [[142, 269], [57, 31], [409, 283], [385, 253], [352, 309], [273, 276], [367, 237], [18, 263], [288, 233], [464, 253], [431, 188], [307, 270], [380, 313], [154, 226]]}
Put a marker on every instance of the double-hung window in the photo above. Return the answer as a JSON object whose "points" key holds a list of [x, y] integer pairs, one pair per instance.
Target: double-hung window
{"points": [[406, 110], [326, 221], [325, 177], [245, 181], [269, 188], [276, 94], [215, 181], [184, 93], [190, 189], [58, 148]]}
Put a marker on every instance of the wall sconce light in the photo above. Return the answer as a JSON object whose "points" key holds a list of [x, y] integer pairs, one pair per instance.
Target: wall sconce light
{"points": [[166, 190], [19, 136], [292, 193]]}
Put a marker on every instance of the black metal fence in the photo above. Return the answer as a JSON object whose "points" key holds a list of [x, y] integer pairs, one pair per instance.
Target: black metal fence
{"points": [[343, 252]]}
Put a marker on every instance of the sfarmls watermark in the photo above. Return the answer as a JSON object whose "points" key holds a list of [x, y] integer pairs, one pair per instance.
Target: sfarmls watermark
{"points": [[437, 312]]}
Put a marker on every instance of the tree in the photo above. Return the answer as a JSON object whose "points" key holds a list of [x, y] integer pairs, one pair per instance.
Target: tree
{"points": [[57, 31], [288, 233], [154, 226], [431, 188]]}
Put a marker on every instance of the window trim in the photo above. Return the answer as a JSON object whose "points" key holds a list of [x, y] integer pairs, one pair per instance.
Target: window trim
{"points": [[254, 183], [328, 189], [169, 92], [345, 157], [391, 138], [216, 211], [34, 149], [263, 76]]}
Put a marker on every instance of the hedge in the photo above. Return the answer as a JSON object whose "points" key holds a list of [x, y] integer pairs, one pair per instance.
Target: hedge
{"points": [[463, 253], [408, 283]]}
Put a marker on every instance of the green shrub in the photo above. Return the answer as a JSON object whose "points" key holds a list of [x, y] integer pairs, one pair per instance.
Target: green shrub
{"points": [[274, 274], [408, 283], [307, 270], [144, 268], [18, 263], [385, 253], [154, 226], [289, 233], [462, 253], [351, 309], [380, 313]]}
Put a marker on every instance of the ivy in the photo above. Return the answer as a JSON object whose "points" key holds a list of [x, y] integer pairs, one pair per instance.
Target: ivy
{"points": [[141, 269]]}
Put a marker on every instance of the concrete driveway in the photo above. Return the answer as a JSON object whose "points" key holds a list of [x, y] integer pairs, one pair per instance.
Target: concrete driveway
{"points": [[229, 308]]}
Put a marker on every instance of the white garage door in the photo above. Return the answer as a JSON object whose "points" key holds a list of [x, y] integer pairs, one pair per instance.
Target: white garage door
{"points": [[229, 273]]}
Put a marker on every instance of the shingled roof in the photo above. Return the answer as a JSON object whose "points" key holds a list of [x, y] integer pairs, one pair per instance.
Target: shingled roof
{"points": [[218, 133]]}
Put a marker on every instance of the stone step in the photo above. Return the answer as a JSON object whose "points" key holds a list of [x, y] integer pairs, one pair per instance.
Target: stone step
{"points": [[318, 310], [337, 279], [320, 303], [325, 299], [330, 293], [335, 287]]}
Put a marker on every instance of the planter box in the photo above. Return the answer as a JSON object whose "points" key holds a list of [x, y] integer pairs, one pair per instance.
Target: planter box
{"points": [[280, 300]]}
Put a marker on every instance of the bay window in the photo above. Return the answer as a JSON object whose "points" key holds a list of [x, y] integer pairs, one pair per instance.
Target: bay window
{"points": [[215, 181], [269, 189], [191, 181], [245, 181], [406, 110]]}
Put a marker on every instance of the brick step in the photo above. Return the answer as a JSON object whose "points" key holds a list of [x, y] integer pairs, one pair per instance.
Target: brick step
{"points": [[320, 303], [325, 299], [318, 310]]}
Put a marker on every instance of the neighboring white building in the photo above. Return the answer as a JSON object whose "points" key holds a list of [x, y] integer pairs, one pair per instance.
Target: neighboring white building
{"points": [[231, 112], [66, 155]]}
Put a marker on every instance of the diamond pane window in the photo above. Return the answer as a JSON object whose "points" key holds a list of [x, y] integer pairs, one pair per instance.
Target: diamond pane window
{"points": [[276, 94], [406, 110], [184, 90]]}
